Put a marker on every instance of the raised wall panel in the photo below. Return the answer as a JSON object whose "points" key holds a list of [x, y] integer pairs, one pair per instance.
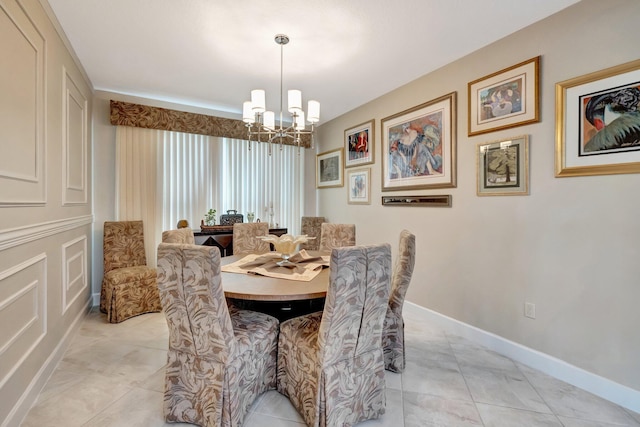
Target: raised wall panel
{"points": [[22, 115], [74, 143], [22, 313], [74, 271]]}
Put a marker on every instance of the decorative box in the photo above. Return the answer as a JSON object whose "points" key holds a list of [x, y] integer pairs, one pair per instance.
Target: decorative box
{"points": [[231, 218]]}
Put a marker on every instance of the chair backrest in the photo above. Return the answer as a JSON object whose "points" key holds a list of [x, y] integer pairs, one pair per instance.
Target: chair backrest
{"points": [[244, 238], [123, 245], [193, 301], [402, 271], [336, 236], [311, 226], [356, 303], [181, 235]]}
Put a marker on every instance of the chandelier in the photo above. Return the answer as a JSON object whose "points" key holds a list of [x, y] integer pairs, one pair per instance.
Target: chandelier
{"points": [[261, 124]]}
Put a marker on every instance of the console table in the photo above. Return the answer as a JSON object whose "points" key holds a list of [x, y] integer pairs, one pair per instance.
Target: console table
{"points": [[222, 237]]}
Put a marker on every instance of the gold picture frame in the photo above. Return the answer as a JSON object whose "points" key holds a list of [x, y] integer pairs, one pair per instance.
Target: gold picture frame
{"points": [[419, 146], [330, 169], [598, 123], [503, 167], [505, 99], [359, 144], [359, 186]]}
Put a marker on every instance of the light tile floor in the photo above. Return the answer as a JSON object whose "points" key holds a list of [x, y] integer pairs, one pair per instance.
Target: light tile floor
{"points": [[112, 375]]}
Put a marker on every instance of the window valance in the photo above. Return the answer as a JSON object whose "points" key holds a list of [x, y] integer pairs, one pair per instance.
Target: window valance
{"points": [[144, 116]]}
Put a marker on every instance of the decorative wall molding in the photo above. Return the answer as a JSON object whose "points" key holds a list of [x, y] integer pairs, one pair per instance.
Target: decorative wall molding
{"points": [[23, 299], [74, 271], [75, 120], [595, 384], [19, 236], [144, 116], [22, 169], [31, 393]]}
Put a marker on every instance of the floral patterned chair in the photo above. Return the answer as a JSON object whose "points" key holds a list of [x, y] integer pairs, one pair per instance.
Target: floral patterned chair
{"points": [[330, 364], [181, 235], [393, 332], [311, 226], [129, 285], [336, 236], [244, 238], [220, 359]]}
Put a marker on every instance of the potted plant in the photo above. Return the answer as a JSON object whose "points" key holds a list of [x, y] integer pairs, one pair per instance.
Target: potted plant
{"points": [[210, 217]]}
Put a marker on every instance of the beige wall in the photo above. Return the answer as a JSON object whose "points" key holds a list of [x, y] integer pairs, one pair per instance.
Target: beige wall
{"points": [[570, 247], [45, 202]]}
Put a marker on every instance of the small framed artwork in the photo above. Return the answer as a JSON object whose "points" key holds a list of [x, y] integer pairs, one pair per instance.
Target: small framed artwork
{"points": [[503, 167], [505, 99], [359, 186], [358, 144], [329, 169], [419, 146], [598, 122]]}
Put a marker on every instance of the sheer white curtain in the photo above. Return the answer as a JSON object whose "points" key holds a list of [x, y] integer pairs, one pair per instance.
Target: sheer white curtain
{"points": [[255, 182], [162, 177], [138, 162], [190, 179]]}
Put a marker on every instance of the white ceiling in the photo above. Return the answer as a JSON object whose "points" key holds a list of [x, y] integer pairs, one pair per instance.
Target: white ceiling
{"points": [[343, 53]]}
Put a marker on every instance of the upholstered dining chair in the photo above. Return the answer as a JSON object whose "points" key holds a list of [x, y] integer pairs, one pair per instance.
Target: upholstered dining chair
{"points": [[220, 358], [128, 285], [330, 363], [181, 235], [336, 236], [244, 238], [311, 226], [393, 332]]}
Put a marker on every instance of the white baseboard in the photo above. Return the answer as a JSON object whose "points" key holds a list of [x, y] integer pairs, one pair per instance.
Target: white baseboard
{"points": [[595, 384], [96, 299]]}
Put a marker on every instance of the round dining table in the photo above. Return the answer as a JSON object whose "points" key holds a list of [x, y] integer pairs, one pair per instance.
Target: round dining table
{"points": [[262, 288]]}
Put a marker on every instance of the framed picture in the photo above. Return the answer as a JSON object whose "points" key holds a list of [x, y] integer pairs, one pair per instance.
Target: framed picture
{"points": [[503, 167], [358, 144], [598, 122], [505, 99], [329, 169], [419, 146], [359, 182]]}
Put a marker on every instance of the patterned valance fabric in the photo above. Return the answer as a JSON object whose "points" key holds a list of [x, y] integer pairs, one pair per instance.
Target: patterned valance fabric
{"points": [[144, 116]]}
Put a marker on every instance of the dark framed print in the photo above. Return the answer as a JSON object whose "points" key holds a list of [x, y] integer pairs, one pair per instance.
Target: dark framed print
{"points": [[503, 167], [359, 144], [329, 169], [598, 122], [359, 182], [419, 146], [505, 99]]}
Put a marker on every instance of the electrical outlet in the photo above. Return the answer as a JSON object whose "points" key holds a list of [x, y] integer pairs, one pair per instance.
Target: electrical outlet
{"points": [[530, 310]]}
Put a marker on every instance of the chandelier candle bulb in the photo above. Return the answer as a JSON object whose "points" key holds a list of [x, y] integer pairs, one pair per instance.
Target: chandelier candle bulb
{"points": [[299, 123], [269, 120], [248, 116], [313, 111], [295, 101], [258, 100]]}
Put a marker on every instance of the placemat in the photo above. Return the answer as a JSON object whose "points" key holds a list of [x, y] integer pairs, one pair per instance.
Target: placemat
{"points": [[305, 268]]}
